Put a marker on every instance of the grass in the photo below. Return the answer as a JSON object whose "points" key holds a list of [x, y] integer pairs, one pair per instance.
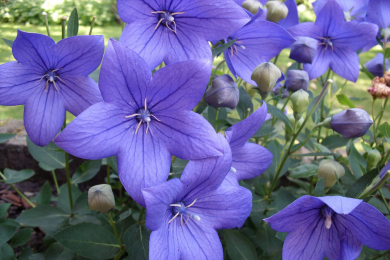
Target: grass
{"points": [[352, 90]]}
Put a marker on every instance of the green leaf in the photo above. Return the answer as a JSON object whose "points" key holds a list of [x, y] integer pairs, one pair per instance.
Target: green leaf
{"points": [[49, 218], [51, 154], [73, 23], [44, 196], [334, 141], [267, 240], [17, 176], [37, 256], [8, 42], [63, 198], [6, 137], [86, 171], [244, 103], [4, 210], [89, 240], [323, 149], [179, 165], [58, 252], [26, 253], [283, 199], [81, 211], [21, 237], [385, 128], [238, 246], [276, 112], [282, 235], [46, 167], [319, 189], [6, 252], [6, 233], [344, 100], [222, 47], [136, 240], [113, 163], [387, 53], [356, 160], [304, 171], [362, 183], [314, 154], [369, 74]]}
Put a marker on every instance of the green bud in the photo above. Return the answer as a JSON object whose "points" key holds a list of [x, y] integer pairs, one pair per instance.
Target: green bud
{"points": [[265, 75], [327, 170], [300, 102], [101, 198], [373, 157], [252, 6], [276, 11]]}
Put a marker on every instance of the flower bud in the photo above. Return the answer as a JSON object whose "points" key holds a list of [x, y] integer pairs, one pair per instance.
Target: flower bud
{"points": [[296, 80], [64, 17], [304, 49], [351, 123], [300, 102], [44, 13], [101, 198], [223, 92], [252, 6], [276, 11], [375, 66], [373, 157], [266, 75], [276, 91], [328, 169]]}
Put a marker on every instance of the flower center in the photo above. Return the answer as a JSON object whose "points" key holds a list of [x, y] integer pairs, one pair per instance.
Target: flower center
{"points": [[179, 208], [167, 19], [327, 42], [327, 213], [143, 115], [51, 76], [233, 49]]}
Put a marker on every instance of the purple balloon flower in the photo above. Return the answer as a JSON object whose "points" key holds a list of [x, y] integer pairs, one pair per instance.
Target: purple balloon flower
{"points": [[257, 42], [378, 13], [249, 159], [177, 30], [353, 9], [184, 214], [49, 79], [304, 49], [351, 123], [338, 42], [143, 119], [375, 66], [335, 227]]}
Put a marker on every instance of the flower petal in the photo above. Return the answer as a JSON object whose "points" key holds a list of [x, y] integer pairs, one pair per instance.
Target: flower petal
{"points": [[96, 133], [238, 134], [354, 35], [79, 93], [163, 245], [341, 205], [320, 63], [187, 135], [79, 55], [179, 86], [330, 18], [345, 63], [44, 114], [370, 226], [132, 75], [36, 50], [307, 29], [136, 10], [143, 161], [18, 82], [378, 13], [292, 16]]}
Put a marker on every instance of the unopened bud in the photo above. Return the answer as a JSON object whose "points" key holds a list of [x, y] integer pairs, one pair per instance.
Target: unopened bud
{"points": [[328, 169], [351, 123], [44, 13], [101, 198], [300, 102], [276, 90], [266, 75], [276, 11], [223, 92], [296, 80], [375, 66], [64, 17], [252, 6], [304, 49], [373, 158]]}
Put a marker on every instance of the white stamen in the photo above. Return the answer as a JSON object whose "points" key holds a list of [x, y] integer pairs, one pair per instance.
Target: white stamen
{"points": [[232, 169], [328, 221]]}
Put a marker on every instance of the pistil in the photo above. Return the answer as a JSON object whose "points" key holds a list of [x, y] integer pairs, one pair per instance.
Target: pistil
{"points": [[143, 115], [51, 77], [167, 19], [180, 209]]}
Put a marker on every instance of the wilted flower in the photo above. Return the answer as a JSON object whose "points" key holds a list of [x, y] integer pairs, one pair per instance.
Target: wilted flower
{"points": [[300, 102], [328, 169], [379, 88], [296, 80], [266, 75], [375, 66], [304, 49], [101, 198], [162, 31], [50, 79], [353, 9], [373, 158], [276, 11], [284, 92], [223, 92], [143, 119], [185, 214], [338, 42], [335, 227]]}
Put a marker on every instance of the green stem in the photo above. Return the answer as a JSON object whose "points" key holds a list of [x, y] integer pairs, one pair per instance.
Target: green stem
{"points": [[18, 191], [112, 223], [215, 72], [305, 141], [55, 181], [92, 24], [67, 173], [141, 214], [108, 173], [382, 111], [63, 25], [276, 59], [216, 118], [373, 117], [47, 25], [384, 200], [311, 185]]}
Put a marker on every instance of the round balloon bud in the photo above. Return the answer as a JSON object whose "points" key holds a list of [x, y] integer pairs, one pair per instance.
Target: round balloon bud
{"points": [[351, 123], [276, 11], [373, 158], [300, 102], [223, 92], [101, 198], [328, 169], [375, 66], [266, 75], [304, 49], [252, 6], [296, 80]]}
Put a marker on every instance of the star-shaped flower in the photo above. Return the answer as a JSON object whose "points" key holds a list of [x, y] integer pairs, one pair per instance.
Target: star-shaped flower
{"points": [[177, 30], [353, 9], [338, 42], [185, 214], [335, 227], [143, 119], [49, 79]]}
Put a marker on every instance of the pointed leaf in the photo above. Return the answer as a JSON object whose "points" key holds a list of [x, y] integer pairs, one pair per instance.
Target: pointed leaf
{"points": [[21, 237], [6, 137], [283, 199], [276, 112], [86, 171], [344, 100], [216, 51], [6, 232], [17, 176], [136, 241], [385, 129], [319, 189], [63, 198], [369, 74], [238, 246], [362, 183], [6, 252], [244, 103], [50, 155], [44, 196], [8, 42], [58, 252], [4, 210], [304, 171], [73, 23]]}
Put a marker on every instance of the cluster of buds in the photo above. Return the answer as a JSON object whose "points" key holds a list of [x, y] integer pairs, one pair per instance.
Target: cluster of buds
{"points": [[380, 86]]}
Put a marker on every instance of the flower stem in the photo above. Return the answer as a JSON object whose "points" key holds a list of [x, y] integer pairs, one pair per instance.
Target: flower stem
{"points": [[376, 186], [373, 117], [92, 24], [18, 191], [47, 25], [276, 59], [215, 72], [306, 140], [112, 223], [108, 173], [55, 181], [384, 200], [63, 25], [382, 111], [141, 214]]}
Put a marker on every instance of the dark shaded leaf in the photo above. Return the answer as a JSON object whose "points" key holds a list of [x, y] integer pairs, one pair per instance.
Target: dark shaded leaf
{"points": [[17, 176], [304, 171], [4, 210], [314, 154], [86, 171], [136, 240], [6, 252], [283, 199], [26, 253], [50, 155], [334, 141], [216, 51], [58, 252], [281, 235], [21, 237], [276, 112], [6, 137], [6, 233], [63, 198], [362, 183], [319, 189], [244, 103], [238, 246], [356, 161], [73, 23], [44, 196], [385, 128], [113, 163]]}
